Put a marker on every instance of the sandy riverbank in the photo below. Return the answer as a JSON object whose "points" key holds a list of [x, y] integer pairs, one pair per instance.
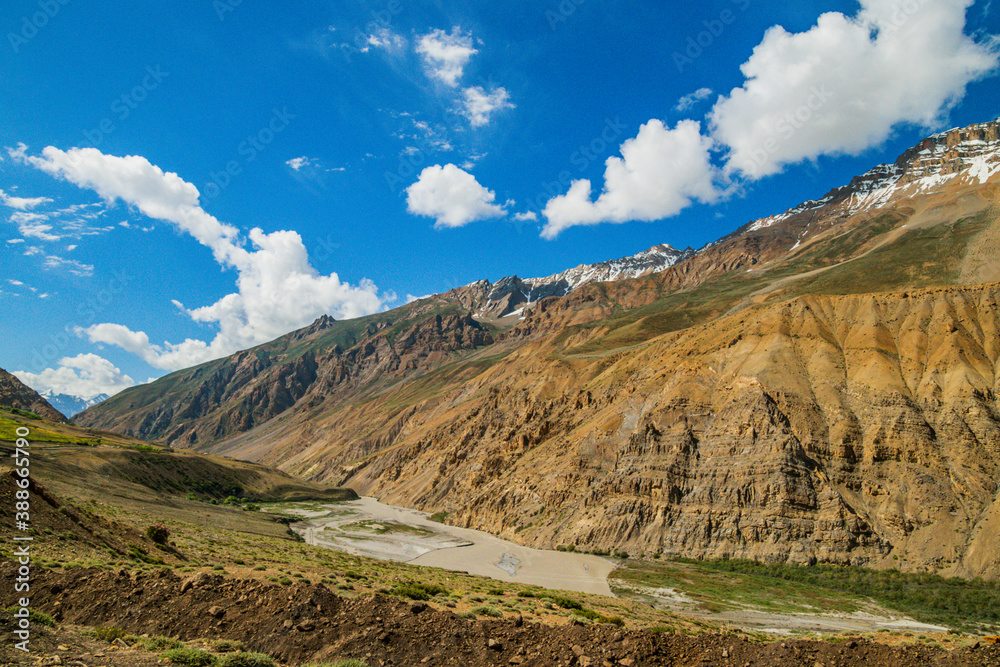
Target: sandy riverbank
{"points": [[366, 527]]}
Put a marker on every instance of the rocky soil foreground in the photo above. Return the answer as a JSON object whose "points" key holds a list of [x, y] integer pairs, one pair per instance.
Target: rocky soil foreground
{"points": [[304, 623]]}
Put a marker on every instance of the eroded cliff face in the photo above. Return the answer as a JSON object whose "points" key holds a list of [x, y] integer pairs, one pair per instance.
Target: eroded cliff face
{"points": [[860, 429]]}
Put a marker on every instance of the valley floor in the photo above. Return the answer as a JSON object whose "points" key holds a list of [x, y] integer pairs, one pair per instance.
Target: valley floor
{"points": [[367, 527]]}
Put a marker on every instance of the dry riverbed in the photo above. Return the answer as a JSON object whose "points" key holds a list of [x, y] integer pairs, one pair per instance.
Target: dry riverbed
{"points": [[366, 527]]}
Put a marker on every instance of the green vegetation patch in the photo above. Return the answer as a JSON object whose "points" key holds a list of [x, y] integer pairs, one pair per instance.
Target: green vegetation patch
{"points": [[958, 603], [190, 657], [418, 590], [243, 659]]}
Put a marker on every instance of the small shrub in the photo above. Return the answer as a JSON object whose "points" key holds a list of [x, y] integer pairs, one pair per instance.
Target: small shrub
{"points": [[418, 591], [226, 645], [496, 591], [349, 662], [486, 610], [189, 657], [247, 660], [158, 533], [285, 581], [159, 643], [109, 634], [35, 616], [525, 594], [565, 603]]}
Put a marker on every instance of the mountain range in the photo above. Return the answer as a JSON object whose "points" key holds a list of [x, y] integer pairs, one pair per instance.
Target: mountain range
{"points": [[818, 386], [71, 405]]}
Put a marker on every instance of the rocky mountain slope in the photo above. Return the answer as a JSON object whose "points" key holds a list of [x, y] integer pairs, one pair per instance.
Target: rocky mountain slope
{"points": [[512, 295], [16, 394], [819, 385]]}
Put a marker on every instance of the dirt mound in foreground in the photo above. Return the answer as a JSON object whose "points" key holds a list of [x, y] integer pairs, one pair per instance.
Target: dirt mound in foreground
{"points": [[305, 622]]}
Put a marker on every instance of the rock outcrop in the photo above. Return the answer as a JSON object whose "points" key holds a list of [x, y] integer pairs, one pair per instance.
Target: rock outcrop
{"points": [[16, 394]]}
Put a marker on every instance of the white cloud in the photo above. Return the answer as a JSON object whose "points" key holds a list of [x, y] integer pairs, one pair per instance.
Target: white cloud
{"points": [[660, 172], [18, 153], [13, 241], [688, 101], [278, 289], [527, 215], [478, 105], [446, 55], [297, 163], [22, 203], [33, 226], [452, 196], [76, 268], [384, 38], [15, 283], [842, 86], [85, 376]]}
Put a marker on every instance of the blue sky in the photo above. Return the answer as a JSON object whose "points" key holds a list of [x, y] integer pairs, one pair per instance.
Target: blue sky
{"points": [[184, 179]]}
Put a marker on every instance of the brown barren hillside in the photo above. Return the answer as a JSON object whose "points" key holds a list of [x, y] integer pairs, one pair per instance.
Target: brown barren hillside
{"points": [[856, 429], [16, 394]]}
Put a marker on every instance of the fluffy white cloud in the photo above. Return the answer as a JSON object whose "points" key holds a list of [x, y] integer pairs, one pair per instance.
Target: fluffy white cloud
{"points": [[85, 376], [660, 172], [158, 195], [446, 55], [841, 87], [278, 289], [22, 203], [297, 163], [452, 196], [688, 101], [478, 105]]}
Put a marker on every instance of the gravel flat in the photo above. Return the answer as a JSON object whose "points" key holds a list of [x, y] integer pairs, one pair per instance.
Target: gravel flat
{"points": [[366, 527]]}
